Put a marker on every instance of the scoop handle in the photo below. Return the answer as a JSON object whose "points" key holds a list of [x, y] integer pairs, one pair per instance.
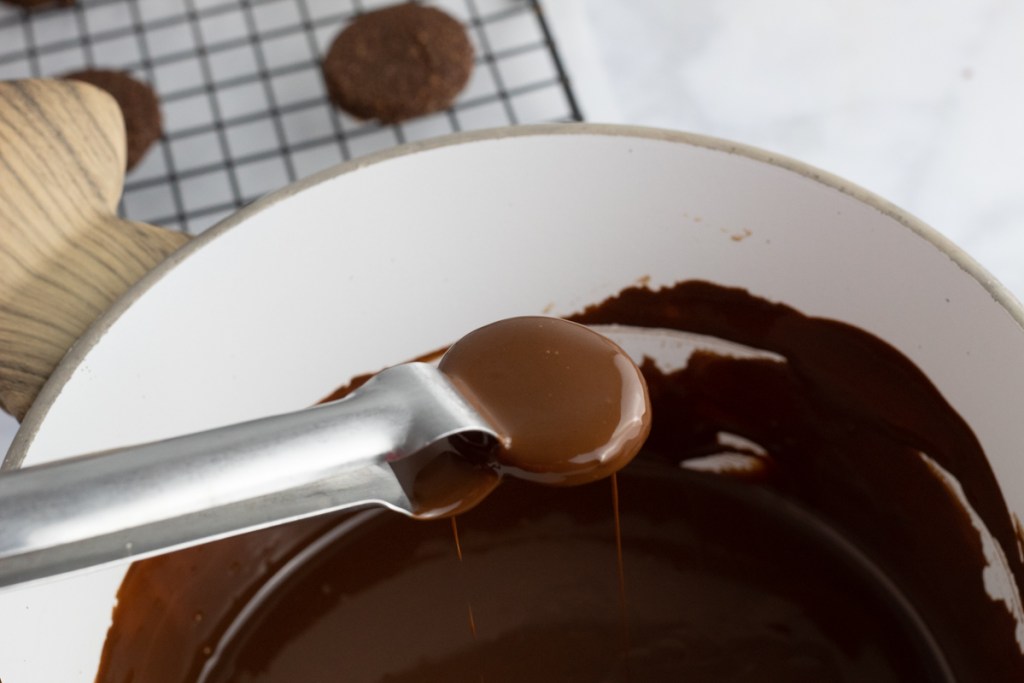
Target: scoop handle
{"points": [[65, 255], [137, 501]]}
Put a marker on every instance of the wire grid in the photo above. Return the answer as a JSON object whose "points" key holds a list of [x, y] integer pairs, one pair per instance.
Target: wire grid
{"points": [[244, 105]]}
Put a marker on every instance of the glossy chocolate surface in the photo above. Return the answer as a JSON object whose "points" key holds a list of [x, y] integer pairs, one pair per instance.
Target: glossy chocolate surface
{"points": [[573, 405]]}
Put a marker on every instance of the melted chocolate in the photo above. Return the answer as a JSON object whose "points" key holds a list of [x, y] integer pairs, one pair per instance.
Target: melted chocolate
{"points": [[443, 480], [711, 596], [845, 421], [849, 558], [572, 405]]}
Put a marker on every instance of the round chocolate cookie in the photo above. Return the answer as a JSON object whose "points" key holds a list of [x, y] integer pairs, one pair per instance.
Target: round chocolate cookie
{"points": [[398, 63], [139, 106]]}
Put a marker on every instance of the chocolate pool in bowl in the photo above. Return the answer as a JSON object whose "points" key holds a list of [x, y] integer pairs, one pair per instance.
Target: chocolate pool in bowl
{"points": [[810, 562], [552, 220]]}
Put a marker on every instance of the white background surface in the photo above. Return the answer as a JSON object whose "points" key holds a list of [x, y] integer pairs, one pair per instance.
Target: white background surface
{"points": [[920, 101]]}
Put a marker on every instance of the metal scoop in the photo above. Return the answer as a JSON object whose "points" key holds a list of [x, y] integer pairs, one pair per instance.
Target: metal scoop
{"points": [[137, 501]]}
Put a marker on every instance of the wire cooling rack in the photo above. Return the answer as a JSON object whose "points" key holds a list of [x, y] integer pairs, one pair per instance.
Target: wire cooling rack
{"points": [[244, 105]]}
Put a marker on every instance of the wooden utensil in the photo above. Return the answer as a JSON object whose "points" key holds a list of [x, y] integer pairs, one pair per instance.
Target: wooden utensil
{"points": [[65, 255]]}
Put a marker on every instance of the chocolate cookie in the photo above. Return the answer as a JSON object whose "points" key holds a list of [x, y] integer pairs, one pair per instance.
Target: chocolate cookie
{"points": [[398, 63], [139, 106]]}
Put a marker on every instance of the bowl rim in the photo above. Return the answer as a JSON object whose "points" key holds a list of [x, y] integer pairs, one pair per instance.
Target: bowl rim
{"points": [[81, 348]]}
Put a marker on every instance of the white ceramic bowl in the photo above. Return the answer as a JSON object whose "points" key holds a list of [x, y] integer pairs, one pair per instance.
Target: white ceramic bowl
{"points": [[379, 260]]}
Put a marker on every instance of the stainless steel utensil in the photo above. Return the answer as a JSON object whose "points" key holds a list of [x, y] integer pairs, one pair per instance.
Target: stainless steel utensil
{"points": [[140, 500]]}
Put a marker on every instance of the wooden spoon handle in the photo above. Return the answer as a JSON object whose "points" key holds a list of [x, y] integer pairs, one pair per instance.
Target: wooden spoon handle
{"points": [[64, 254]]}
